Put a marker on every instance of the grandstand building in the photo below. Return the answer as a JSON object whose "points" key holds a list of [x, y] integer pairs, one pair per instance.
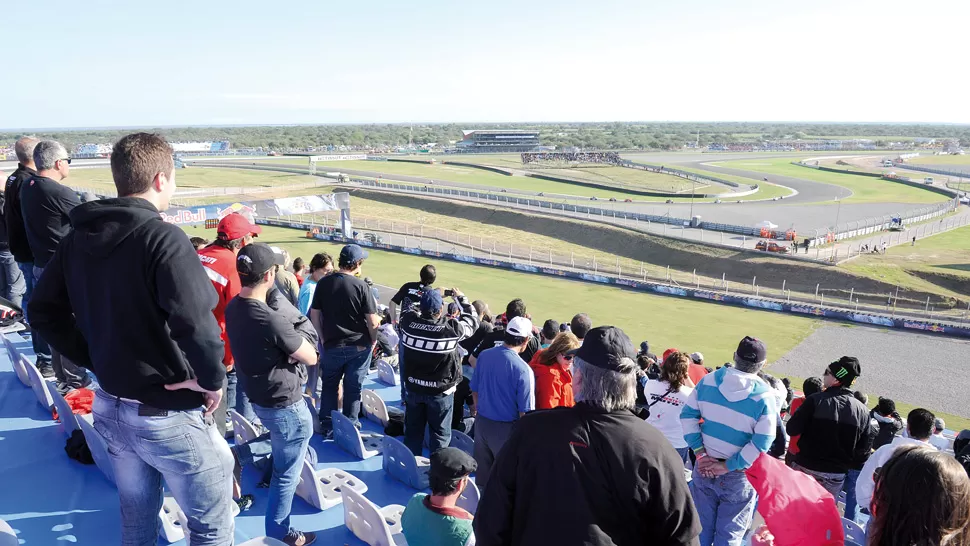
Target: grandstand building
{"points": [[215, 147], [498, 140]]}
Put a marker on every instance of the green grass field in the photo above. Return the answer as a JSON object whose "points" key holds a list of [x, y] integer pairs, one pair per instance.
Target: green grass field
{"points": [[963, 160], [864, 189]]}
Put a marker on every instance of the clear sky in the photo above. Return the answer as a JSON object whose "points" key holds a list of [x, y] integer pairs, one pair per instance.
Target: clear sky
{"points": [[94, 63]]}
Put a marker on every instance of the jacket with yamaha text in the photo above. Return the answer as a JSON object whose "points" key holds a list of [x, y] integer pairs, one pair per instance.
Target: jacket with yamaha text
{"points": [[431, 349]]}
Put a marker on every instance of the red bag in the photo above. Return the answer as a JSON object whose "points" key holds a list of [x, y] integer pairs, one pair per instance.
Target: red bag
{"points": [[80, 401], [797, 510]]}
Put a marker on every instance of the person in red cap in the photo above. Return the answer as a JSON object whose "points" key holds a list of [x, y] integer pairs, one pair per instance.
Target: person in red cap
{"points": [[219, 261]]}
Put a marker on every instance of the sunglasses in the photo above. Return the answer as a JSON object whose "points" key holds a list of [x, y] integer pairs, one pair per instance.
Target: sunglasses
{"points": [[65, 159], [568, 357]]}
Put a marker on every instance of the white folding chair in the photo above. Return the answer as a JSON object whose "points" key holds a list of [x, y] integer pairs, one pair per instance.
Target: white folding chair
{"points": [[468, 500], [321, 488], [375, 526], [242, 429], [64, 412], [38, 383]]}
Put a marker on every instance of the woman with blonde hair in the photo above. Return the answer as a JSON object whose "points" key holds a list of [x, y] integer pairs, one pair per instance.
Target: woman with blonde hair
{"points": [[922, 498], [554, 379], [666, 397]]}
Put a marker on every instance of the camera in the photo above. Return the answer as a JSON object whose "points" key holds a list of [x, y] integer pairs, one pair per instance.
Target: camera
{"points": [[449, 293]]}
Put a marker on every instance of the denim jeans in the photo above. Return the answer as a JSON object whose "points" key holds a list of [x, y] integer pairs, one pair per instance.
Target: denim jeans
{"points": [[350, 363], [12, 283], [69, 375], [236, 396], [290, 429], [183, 448], [27, 272], [851, 506], [832, 482], [725, 506], [432, 411], [684, 453]]}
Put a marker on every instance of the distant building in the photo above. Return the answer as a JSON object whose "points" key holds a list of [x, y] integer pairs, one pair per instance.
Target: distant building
{"points": [[220, 146], [498, 140]]}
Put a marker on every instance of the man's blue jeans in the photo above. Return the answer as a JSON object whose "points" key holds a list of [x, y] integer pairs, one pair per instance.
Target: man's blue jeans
{"points": [[350, 363], [41, 348], [851, 506], [182, 447], [290, 429], [725, 506], [432, 411], [236, 397], [11, 279]]}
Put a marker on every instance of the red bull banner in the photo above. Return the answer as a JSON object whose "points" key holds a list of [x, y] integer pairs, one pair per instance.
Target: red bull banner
{"points": [[286, 206]]}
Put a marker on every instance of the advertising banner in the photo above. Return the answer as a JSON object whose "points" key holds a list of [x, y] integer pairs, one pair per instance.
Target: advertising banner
{"points": [[258, 209]]}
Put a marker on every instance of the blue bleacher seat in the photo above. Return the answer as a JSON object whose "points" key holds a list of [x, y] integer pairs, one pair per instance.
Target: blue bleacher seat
{"points": [[375, 526], [321, 488], [402, 465], [468, 500], [385, 373], [39, 384], [463, 442], [853, 532], [362, 445], [7, 535], [64, 413]]}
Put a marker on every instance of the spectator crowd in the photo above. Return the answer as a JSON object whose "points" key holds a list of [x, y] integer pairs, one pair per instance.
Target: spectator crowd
{"points": [[606, 158], [580, 436]]}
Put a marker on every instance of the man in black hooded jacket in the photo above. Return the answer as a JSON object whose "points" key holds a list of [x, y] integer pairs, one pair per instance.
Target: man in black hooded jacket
{"points": [[126, 296]]}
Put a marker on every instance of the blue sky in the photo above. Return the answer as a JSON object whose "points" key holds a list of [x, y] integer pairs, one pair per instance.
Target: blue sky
{"points": [[94, 63]]}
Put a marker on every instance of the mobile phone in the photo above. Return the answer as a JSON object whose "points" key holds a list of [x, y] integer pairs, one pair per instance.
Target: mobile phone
{"points": [[449, 293]]}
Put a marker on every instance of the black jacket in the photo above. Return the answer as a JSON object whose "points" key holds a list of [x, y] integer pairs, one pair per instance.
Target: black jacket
{"points": [[430, 349], [581, 475], [835, 431], [13, 216], [885, 428], [46, 205], [126, 296]]}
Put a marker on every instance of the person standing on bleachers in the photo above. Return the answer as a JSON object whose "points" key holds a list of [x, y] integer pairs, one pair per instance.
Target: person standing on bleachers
{"points": [[219, 261], [594, 473], [46, 204], [345, 315], [270, 350], [429, 342], [406, 301], [152, 340], [729, 421], [13, 218]]}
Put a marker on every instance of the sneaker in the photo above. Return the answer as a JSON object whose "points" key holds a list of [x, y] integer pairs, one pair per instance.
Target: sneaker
{"points": [[327, 434], [46, 370], [245, 503], [296, 538]]}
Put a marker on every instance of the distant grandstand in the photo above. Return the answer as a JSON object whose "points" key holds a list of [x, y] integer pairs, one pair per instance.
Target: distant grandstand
{"points": [[498, 141]]}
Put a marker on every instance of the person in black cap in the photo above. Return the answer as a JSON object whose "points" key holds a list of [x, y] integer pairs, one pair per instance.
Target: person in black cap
{"points": [[434, 518], [594, 473], [834, 427], [269, 350], [345, 315]]}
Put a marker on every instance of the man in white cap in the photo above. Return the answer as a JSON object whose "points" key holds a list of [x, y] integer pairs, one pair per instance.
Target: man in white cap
{"points": [[696, 370], [503, 389]]}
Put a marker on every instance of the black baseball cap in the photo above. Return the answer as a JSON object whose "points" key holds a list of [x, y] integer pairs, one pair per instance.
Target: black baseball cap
{"points": [[352, 253], [451, 463], [604, 347], [256, 259], [752, 350], [846, 369]]}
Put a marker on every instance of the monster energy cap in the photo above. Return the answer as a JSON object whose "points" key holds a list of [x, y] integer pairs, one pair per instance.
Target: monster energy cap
{"points": [[846, 369]]}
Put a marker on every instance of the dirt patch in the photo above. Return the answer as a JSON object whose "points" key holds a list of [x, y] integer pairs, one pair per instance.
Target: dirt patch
{"points": [[955, 283], [738, 267]]}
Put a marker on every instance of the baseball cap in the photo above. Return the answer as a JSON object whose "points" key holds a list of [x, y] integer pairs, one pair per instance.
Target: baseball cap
{"points": [[280, 255], [644, 347], [550, 328], [604, 347], [254, 260], [352, 253], [519, 327], [431, 302], [939, 424], [846, 369], [451, 463], [454, 309], [752, 350], [235, 226], [697, 358], [669, 352]]}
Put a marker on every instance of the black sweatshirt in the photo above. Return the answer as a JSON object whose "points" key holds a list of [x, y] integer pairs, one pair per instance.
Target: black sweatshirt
{"points": [[13, 216], [126, 296], [46, 205], [581, 475], [835, 431], [431, 348]]}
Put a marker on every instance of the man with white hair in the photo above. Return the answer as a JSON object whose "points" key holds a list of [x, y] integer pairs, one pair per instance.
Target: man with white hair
{"points": [[594, 473], [937, 440], [739, 412], [46, 205]]}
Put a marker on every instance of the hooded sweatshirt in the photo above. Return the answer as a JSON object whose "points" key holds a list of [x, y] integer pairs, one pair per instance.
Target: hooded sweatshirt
{"points": [[126, 296], [739, 412]]}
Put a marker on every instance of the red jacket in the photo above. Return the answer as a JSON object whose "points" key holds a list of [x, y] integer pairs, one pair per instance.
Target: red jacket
{"points": [[220, 265], [554, 384], [696, 372]]}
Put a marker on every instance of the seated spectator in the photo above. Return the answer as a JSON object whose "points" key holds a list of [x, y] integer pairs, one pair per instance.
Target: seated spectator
{"points": [[550, 329], [937, 440], [888, 423], [780, 445], [199, 243], [554, 381], [580, 325], [590, 474], [515, 308], [919, 426], [666, 397], [729, 421], [696, 370], [932, 512], [285, 281], [810, 386], [434, 520]]}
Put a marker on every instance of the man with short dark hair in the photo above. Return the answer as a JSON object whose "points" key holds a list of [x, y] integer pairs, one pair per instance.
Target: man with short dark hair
{"points": [[270, 353], [594, 473], [580, 325], [153, 343], [345, 316], [834, 428], [46, 205], [515, 308], [406, 301], [810, 386], [550, 329], [886, 422], [503, 389], [435, 518], [919, 426], [430, 345]]}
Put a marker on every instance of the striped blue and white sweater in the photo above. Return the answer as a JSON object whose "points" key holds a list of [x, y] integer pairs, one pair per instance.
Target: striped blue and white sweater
{"points": [[739, 412]]}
